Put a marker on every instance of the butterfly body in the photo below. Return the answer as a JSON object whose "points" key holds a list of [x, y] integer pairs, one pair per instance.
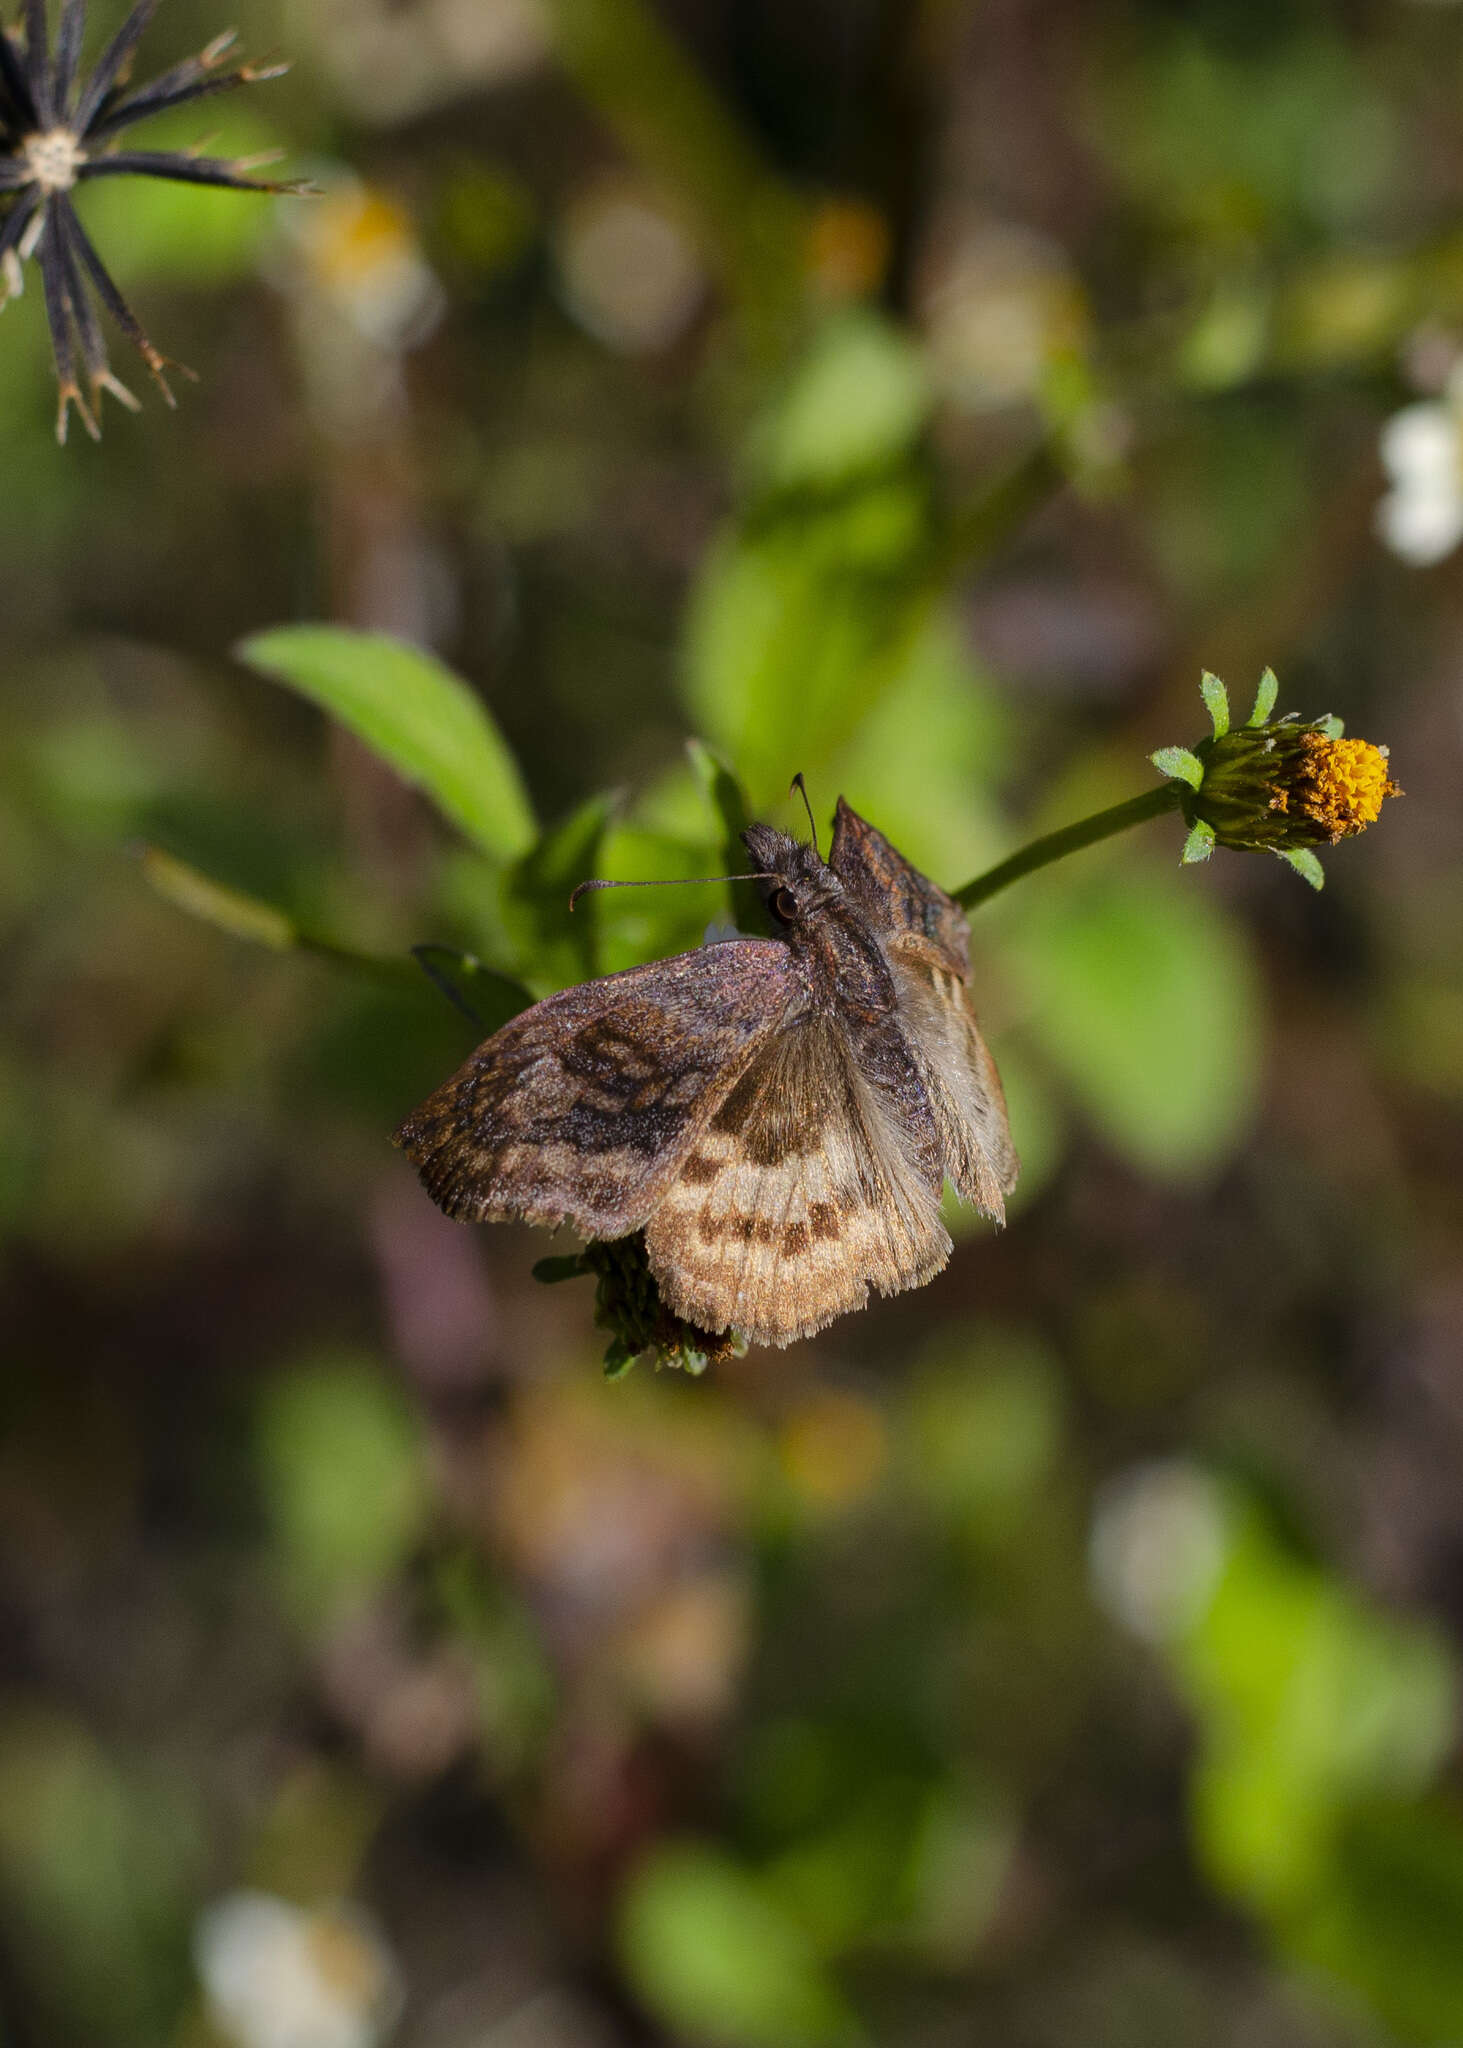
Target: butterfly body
{"points": [[777, 1115]]}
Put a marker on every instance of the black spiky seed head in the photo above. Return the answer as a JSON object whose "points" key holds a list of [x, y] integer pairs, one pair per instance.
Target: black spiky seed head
{"points": [[59, 128]]}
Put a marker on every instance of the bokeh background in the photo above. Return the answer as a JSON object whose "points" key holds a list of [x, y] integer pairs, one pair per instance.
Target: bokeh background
{"points": [[917, 394]]}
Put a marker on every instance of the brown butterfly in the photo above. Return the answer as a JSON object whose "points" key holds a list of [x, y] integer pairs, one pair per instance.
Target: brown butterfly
{"points": [[779, 1116]]}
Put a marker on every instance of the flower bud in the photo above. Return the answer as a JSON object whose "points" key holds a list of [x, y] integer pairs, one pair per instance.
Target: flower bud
{"points": [[1286, 785], [1276, 785]]}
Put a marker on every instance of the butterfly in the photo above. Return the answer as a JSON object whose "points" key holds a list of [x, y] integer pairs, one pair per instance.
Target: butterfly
{"points": [[777, 1115]]}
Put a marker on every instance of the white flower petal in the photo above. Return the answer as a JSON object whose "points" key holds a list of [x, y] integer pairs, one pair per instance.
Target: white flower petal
{"points": [[278, 1977], [1421, 443], [1421, 525], [1158, 1542]]}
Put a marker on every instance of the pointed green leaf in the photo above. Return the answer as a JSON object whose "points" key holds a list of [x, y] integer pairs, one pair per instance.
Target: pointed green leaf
{"points": [[1306, 866], [563, 1266], [725, 794], [229, 910], [729, 801], [618, 1359], [1216, 698], [555, 945], [487, 998], [802, 622], [416, 714], [246, 917], [1179, 765], [1265, 697], [1199, 844]]}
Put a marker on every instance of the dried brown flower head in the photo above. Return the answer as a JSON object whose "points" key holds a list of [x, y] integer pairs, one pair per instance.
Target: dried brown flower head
{"points": [[57, 130]]}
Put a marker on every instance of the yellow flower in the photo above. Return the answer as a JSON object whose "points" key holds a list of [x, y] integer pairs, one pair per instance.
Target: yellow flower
{"points": [[1275, 785], [1335, 785]]}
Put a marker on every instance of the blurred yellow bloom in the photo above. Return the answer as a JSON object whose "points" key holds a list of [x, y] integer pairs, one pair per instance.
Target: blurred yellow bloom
{"points": [[359, 256], [834, 1448], [847, 248]]}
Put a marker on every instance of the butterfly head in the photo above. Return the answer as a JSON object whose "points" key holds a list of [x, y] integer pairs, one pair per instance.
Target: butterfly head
{"points": [[798, 884]]}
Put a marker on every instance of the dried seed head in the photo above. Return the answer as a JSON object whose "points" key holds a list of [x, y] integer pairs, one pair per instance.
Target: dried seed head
{"points": [[54, 157]]}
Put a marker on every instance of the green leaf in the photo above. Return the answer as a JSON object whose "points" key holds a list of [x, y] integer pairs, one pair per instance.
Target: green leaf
{"points": [[1265, 697], [343, 1478], [563, 1266], [1179, 765], [246, 917], [1142, 992], [98, 1858], [1199, 844], [729, 801], [801, 624], [228, 910], [1387, 1923], [555, 946], [1306, 865], [717, 1959], [416, 714], [618, 1359], [1216, 699], [652, 924], [1310, 1703], [859, 399], [1333, 727], [493, 999], [725, 794]]}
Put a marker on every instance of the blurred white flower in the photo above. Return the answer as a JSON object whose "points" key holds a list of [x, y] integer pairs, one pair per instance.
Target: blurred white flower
{"points": [[626, 271], [1157, 1547], [279, 1977], [391, 61], [999, 303], [1421, 517]]}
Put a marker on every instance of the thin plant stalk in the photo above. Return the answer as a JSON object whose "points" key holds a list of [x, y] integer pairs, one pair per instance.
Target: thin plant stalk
{"points": [[1153, 803]]}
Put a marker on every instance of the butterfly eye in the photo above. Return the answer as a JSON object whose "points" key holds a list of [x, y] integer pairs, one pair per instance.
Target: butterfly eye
{"points": [[785, 906]]}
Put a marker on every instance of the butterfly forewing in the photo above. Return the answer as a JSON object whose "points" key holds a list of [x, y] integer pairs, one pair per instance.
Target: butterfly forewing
{"points": [[960, 1081], [898, 900], [926, 938], [581, 1110]]}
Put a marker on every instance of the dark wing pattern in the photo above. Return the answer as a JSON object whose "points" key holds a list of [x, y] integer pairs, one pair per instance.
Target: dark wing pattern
{"points": [[581, 1110], [927, 940]]}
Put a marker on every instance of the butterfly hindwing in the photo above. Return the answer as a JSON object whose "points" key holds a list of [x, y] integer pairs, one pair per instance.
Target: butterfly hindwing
{"points": [[811, 1183], [580, 1110]]}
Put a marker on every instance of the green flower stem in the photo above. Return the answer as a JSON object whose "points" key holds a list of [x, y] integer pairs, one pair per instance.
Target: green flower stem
{"points": [[1057, 845]]}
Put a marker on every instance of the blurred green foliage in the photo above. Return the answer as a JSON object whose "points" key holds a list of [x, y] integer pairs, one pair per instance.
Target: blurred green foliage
{"points": [[919, 398]]}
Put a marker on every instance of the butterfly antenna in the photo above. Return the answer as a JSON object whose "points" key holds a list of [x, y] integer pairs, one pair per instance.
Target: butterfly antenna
{"points": [[801, 787], [665, 882]]}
